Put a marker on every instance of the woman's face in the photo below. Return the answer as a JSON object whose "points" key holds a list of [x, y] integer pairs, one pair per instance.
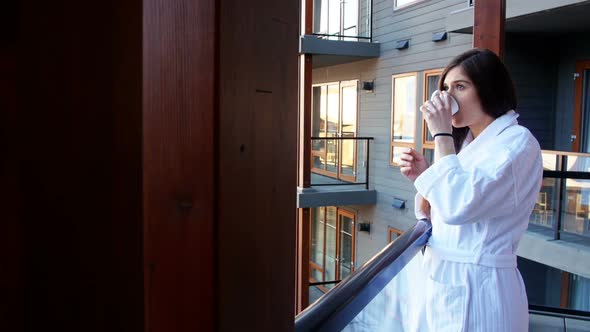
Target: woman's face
{"points": [[471, 113]]}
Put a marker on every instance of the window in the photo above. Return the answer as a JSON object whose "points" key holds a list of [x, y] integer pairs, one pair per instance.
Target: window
{"points": [[403, 114], [392, 234], [332, 249], [398, 4], [431, 78], [334, 114]]}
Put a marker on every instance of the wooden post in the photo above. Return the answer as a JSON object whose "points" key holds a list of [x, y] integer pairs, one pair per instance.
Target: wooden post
{"points": [[488, 25], [304, 175]]}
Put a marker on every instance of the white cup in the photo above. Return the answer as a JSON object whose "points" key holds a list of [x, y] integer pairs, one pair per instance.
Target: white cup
{"points": [[454, 105]]}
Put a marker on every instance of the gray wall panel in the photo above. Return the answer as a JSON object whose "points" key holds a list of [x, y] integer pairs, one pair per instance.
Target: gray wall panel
{"points": [[418, 23]]}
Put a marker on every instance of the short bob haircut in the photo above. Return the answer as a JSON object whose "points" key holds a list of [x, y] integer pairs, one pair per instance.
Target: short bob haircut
{"points": [[492, 81]]}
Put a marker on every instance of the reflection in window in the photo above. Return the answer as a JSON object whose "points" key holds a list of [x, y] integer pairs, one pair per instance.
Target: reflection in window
{"points": [[428, 155], [431, 79], [332, 252], [403, 114], [402, 3], [334, 114], [579, 293]]}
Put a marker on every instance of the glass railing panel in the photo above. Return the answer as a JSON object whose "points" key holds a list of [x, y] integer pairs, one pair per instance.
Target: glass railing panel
{"points": [[544, 212], [563, 203], [343, 161], [346, 20], [356, 300], [576, 212], [550, 160], [388, 311]]}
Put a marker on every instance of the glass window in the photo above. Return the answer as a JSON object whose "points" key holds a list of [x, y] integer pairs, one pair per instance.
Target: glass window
{"points": [[332, 246], [403, 3], [428, 155], [431, 78], [334, 114], [579, 293], [403, 124]]}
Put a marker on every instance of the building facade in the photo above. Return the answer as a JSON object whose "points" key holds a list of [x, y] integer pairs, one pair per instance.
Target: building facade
{"points": [[370, 85]]}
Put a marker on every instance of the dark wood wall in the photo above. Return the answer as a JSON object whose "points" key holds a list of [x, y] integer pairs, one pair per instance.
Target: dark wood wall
{"points": [[11, 303], [151, 186], [79, 89], [10, 234]]}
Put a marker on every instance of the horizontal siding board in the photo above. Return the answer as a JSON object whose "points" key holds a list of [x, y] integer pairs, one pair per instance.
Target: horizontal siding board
{"points": [[374, 120]]}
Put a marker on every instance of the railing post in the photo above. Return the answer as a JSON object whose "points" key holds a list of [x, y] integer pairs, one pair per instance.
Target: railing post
{"points": [[561, 164], [371, 22], [367, 166]]}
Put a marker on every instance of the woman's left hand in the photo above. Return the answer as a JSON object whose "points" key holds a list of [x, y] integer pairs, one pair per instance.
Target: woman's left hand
{"points": [[437, 114]]}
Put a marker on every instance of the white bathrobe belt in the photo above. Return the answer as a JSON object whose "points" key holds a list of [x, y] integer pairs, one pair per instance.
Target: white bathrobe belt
{"points": [[461, 256]]}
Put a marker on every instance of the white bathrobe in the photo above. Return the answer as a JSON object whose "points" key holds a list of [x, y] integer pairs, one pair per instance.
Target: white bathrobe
{"points": [[481, 200]]}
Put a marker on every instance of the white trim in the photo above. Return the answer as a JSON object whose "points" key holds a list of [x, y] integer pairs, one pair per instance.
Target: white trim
{"points": [[413, 3]]}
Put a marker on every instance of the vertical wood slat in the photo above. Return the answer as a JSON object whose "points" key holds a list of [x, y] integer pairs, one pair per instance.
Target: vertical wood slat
{"points": [[257, 164], [11, 307], [179, 84], [79, 134], [304, 164], [489, 17]]}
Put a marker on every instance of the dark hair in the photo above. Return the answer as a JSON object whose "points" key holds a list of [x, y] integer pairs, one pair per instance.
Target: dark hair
{"points": [[492, 81]]}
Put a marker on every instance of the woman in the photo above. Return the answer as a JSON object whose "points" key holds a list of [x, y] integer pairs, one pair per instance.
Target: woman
{"points": [[478, 194]]}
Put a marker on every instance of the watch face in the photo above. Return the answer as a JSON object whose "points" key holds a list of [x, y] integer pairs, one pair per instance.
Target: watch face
{"points": [[454, 105]]}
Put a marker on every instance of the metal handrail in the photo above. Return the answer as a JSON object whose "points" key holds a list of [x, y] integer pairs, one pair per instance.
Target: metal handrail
{"points": [[336, 309], [559, 312]]}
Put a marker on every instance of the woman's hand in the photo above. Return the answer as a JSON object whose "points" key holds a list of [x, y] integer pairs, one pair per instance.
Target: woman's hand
{"points": [[438, 114], [412, 164]]}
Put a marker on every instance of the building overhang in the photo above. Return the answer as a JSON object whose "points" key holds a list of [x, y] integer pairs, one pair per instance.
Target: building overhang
{"points": [[333, 52], [569, 255], [530, 16], [330, 196]]}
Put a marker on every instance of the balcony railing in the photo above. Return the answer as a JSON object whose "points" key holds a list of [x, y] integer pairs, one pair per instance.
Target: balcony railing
{"points": [[346, 20], [376, 296], [340, 161], [563, 204], [367, 287]]}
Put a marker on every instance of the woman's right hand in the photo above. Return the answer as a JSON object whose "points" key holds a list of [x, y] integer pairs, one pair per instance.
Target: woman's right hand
{"points": [[412, 164]]}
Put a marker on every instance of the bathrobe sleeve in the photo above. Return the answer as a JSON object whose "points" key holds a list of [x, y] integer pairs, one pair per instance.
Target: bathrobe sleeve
{"points": [[458, 196]]}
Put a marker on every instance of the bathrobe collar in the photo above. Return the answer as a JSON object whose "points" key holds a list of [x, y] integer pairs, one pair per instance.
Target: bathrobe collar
{"points": [[492, 130]]}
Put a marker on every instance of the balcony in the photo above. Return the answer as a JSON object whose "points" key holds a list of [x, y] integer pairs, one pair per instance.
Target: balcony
{"points": [[528, 15], [342, 33], [340, 173], [375, 297], [559, 227]]}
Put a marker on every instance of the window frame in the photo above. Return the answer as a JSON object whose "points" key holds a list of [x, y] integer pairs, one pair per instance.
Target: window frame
{"points": [[426, 144], [339, 211], [392, 142], [318, 153], [393, 230], [413, 3]]}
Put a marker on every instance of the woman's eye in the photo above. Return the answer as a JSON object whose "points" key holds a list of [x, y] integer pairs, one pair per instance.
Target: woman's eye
{"points": [[460, 87], [445, 88]]}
